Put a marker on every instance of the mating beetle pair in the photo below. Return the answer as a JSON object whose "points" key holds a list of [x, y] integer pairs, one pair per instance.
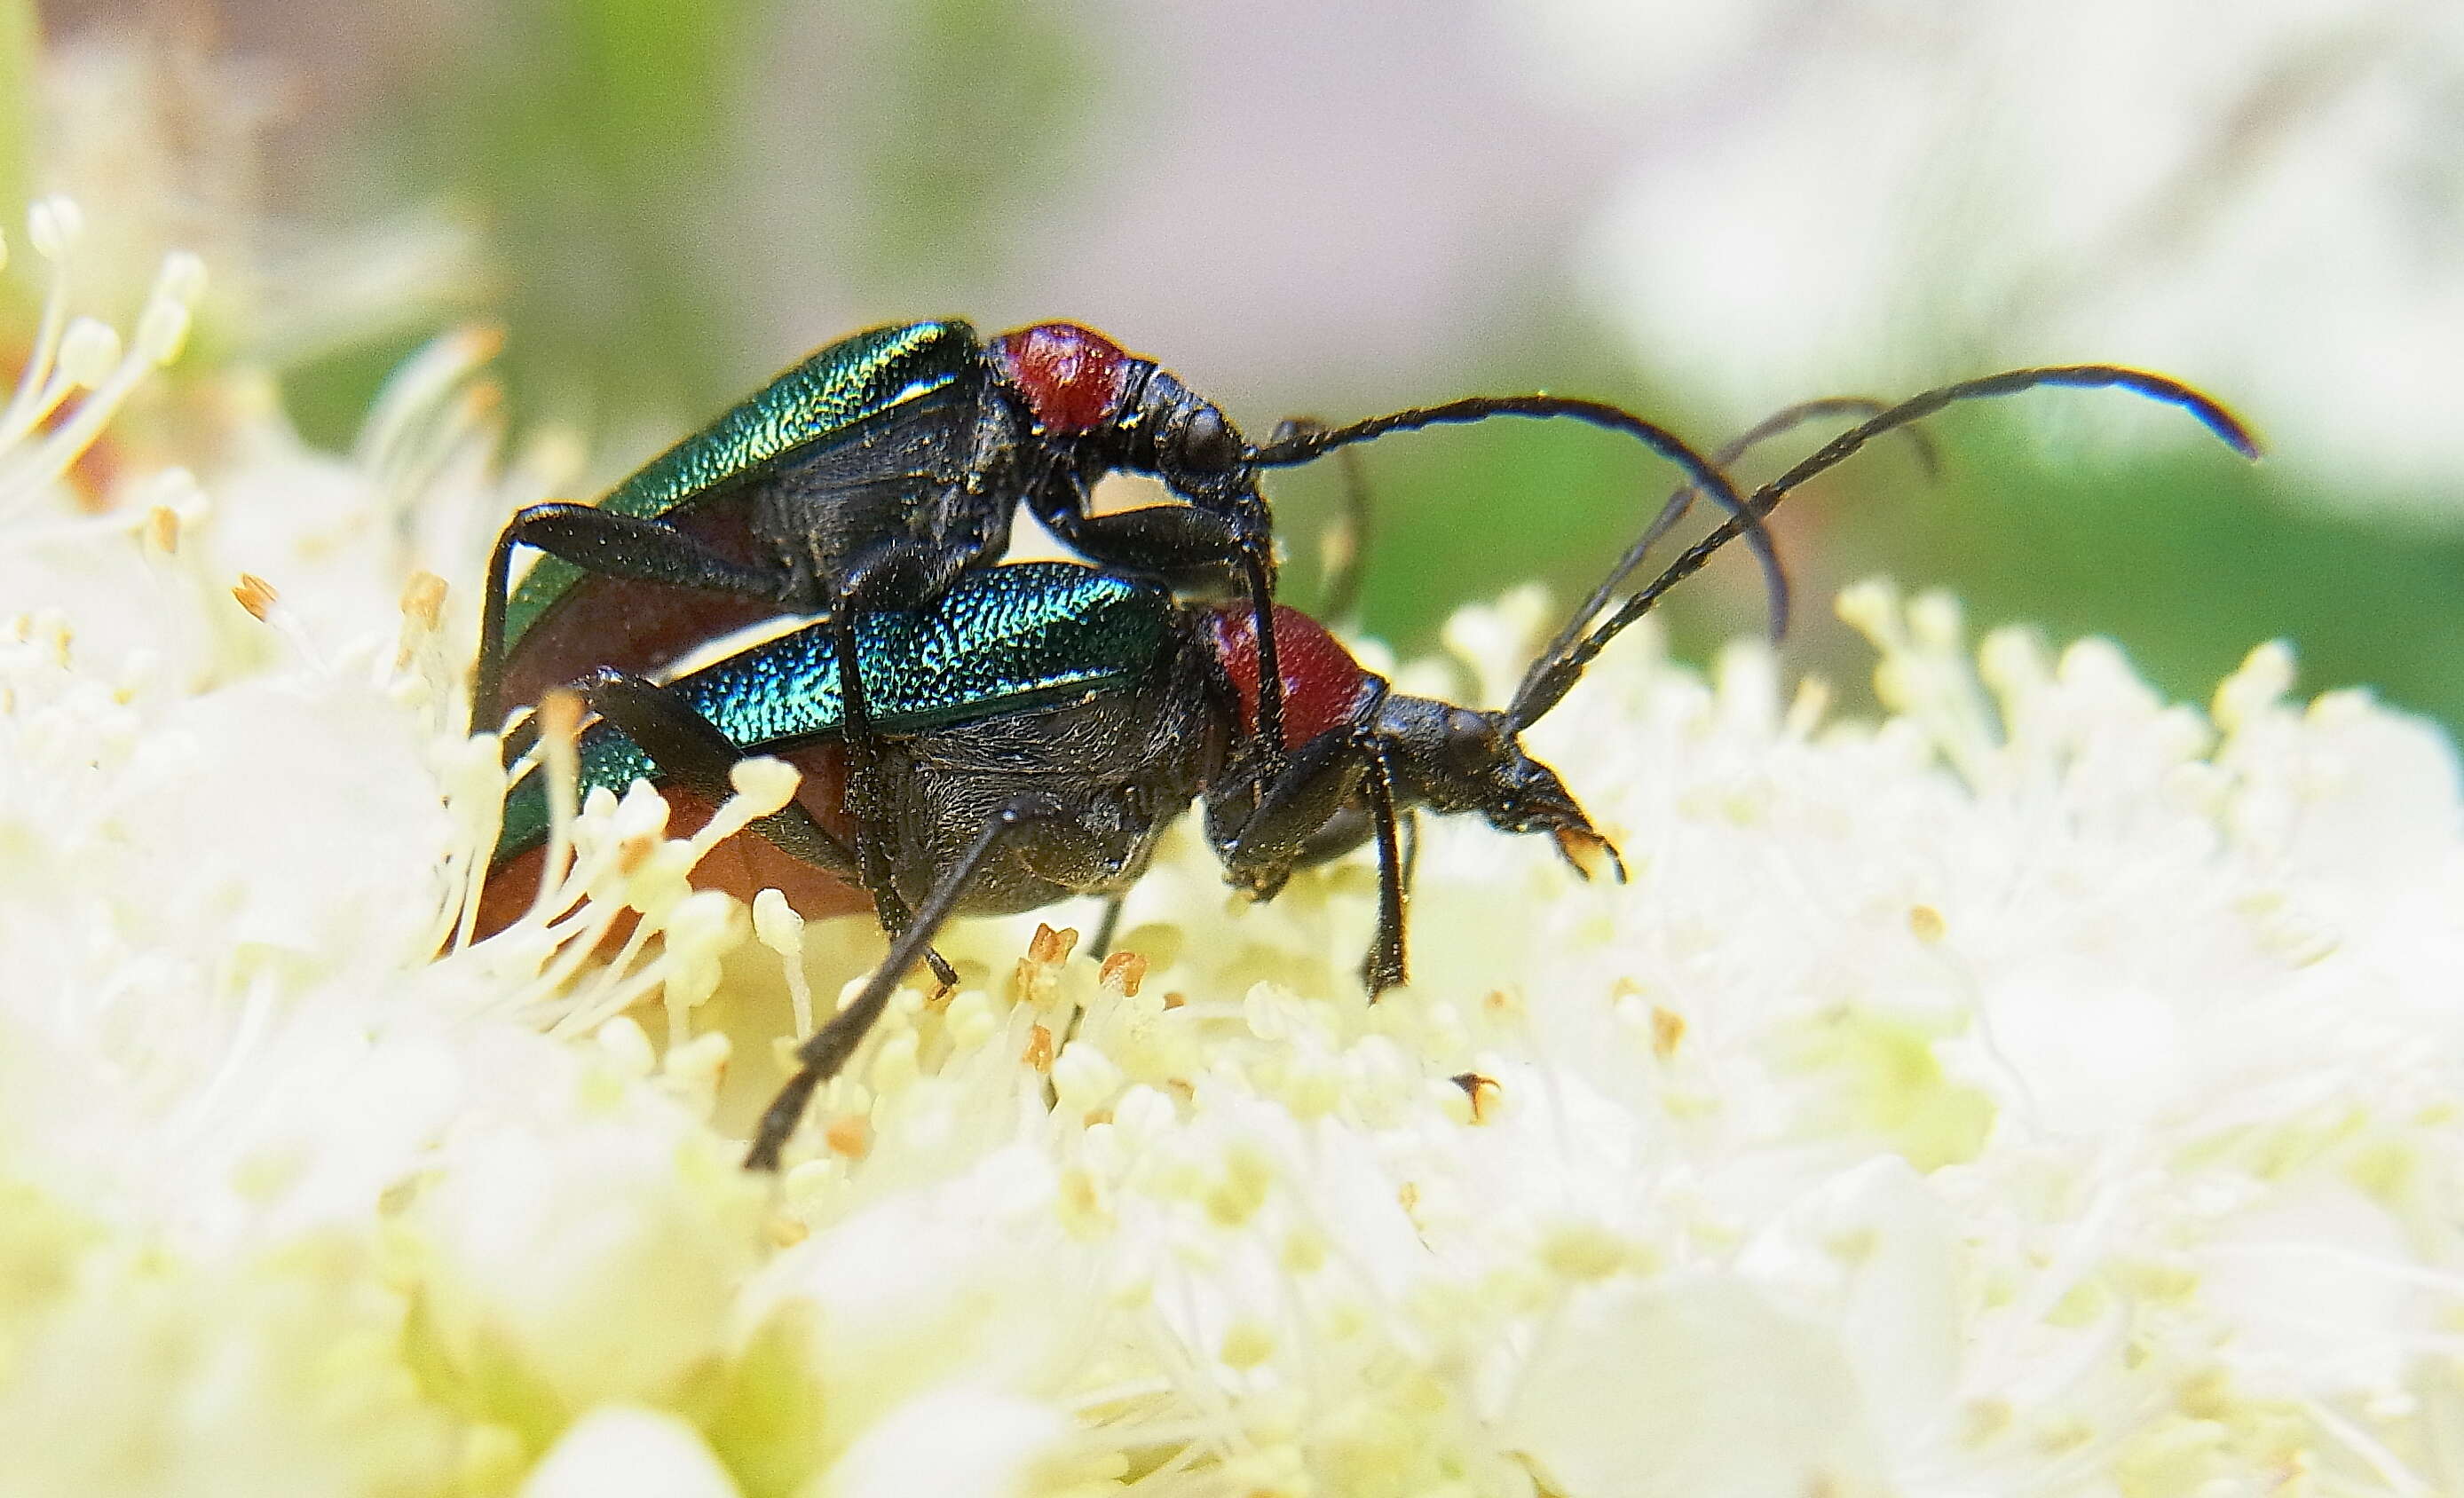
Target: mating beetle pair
{"points": [[981, 738], [884, 468]]}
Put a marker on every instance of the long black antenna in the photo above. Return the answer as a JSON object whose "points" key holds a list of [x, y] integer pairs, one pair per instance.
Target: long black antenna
{"points": [[1675, 509], [1301, 447], [1558, 668]]}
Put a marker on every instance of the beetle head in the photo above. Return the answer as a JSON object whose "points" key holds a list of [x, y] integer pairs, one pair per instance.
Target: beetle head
{"points": [[1453, 758]]}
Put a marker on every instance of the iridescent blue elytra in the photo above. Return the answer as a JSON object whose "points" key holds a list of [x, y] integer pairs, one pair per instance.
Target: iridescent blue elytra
{"points": [[1003, 640], [818, 401]]}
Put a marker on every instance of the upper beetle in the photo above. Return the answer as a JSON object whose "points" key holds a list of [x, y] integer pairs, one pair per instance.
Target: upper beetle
{"points": [[1042, 723]]}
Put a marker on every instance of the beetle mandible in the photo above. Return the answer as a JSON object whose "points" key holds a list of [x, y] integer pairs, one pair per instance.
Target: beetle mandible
{"points": [[1068, 714]]}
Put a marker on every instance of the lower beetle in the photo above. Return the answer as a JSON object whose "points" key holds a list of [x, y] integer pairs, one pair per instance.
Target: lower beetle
{"points": [[1042, 722]]}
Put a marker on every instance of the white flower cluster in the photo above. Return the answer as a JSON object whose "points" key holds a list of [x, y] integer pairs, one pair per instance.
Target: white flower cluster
{"points": [[2046, 1091]]}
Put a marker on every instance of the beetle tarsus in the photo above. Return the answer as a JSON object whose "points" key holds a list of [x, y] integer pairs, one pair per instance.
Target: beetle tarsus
{"points": [[1107, 927]]}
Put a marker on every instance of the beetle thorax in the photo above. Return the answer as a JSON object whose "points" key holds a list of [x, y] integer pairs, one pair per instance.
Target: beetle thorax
{"points": [[1323, 688], [1072, 378]]}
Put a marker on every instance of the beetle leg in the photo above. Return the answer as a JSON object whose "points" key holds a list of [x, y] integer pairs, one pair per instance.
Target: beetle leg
{"points": [[613, 545], [863, 774], [1107, 928], [827, 1050], [1263, 841], [689, 748], [1312, 811], [1178, 545], [1347, 830], [865, 802], [1350, 828], [1186, 546], [1384, 967], [894, 575]]}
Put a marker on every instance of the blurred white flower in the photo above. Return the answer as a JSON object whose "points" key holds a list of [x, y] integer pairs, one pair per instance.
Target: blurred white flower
{"points": [[621, 1448], [165, 132], [1891, 195], [2048, 1090]]}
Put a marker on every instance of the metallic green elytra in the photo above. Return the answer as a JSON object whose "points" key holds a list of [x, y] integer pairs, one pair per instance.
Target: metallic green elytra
{"points": [[827, 398], [1004, 640]]}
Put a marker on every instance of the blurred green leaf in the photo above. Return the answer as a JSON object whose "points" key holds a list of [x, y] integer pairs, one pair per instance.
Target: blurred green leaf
{"points": [[975, 95], [587, 134], [594, 137], [2189, 560]]}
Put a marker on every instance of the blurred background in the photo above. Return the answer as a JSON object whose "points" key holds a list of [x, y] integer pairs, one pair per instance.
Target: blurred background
{"points": [[1703, 209]]}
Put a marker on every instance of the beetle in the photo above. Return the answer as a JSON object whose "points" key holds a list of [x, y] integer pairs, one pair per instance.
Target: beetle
{"points": [[879, 470], [1042, 722]]}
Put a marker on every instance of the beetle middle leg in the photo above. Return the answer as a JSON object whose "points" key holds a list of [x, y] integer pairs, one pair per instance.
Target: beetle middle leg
{"points": [[827, 1050], [1188, 545], [892, 575]]}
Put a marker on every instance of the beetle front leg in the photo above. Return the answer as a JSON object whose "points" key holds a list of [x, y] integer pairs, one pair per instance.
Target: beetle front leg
{"points": [[1186, 546], [613, 545], [1263, 841], [1311, 812], [1384, 967]]}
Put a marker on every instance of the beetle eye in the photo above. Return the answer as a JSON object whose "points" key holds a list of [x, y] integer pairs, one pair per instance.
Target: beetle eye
{"points": [[1471, 741], [1208, 443]]}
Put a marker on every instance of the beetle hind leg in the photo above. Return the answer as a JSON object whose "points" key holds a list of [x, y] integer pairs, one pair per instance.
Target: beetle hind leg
{"points": [[611, 545], [829, 1050], [894, 574], [689, 748]]}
